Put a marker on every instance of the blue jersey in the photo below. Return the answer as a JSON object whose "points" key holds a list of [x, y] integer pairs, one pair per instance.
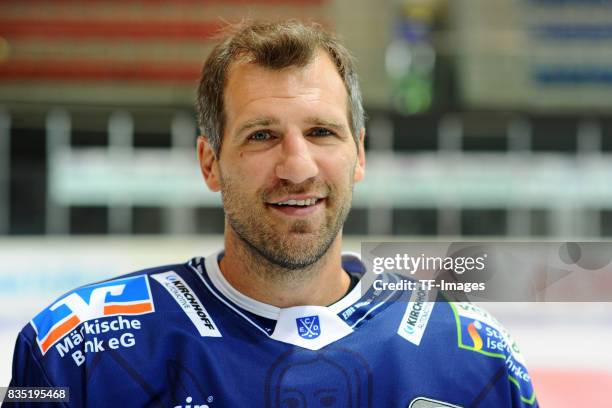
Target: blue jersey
{"points": [[182, 336]]}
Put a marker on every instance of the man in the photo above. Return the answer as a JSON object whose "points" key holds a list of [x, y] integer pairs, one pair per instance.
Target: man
{"points": [[278, 318]]}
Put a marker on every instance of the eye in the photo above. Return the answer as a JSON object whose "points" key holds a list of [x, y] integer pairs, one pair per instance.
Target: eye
{"points": [[321, 132], [260, 136]]}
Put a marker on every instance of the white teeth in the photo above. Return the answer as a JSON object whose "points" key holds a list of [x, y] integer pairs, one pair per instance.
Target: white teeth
{"points": [[310, 201]]}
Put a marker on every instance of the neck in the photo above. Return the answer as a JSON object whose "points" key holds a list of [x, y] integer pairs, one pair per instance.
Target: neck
{"points": [[320, 284]]}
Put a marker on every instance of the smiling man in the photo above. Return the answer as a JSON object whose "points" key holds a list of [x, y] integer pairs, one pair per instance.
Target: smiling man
{"points": [[279, 317], [285, 166]]}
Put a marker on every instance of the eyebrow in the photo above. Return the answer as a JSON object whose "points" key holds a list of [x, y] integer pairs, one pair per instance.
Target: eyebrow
{"points": [[267, 121], [257, 122], [317, 121]]}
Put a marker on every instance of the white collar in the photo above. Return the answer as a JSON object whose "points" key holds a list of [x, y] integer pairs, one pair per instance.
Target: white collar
{"points": [[264, 309]]}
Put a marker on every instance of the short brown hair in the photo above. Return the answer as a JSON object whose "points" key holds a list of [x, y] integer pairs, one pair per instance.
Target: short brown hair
{"points": [[274, 45]]}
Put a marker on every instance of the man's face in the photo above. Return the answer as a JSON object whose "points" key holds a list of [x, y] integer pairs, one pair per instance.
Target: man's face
{"points": [[289, 161]]}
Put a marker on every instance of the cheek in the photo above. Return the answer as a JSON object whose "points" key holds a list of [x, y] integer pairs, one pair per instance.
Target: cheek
{"points": [[338, 169], [245, 175]]}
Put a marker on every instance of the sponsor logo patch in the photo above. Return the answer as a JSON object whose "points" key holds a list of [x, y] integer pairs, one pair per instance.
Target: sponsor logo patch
{"points": [[478, 331], [190, 403], [128, 296], [308, 327], [416, 316], [188, 301]]}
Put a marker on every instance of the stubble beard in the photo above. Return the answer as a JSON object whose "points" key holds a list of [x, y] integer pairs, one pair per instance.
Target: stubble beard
{"points": [[272, 252]]}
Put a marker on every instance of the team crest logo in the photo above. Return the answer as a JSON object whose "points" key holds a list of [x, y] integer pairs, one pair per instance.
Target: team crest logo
{"points": [[308, 327], [128, 296]]}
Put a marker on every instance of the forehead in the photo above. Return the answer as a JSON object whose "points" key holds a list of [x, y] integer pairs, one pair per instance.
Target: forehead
{"points": [[317, 87]]}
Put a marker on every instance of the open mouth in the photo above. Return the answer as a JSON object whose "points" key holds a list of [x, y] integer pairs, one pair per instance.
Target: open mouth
{"points": [[297, 207]]}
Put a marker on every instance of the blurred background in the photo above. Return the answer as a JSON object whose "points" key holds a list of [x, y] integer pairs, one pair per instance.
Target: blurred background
{"points": [[488, 119]]}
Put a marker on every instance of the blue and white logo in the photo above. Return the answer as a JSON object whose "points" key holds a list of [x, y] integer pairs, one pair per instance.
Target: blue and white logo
{"points": [[308, 327]]}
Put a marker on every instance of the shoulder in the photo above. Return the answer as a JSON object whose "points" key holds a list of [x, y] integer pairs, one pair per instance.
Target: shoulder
{"points": [[467, 327], [125, 320], [480, 333], [476, 343], [130, 294]]}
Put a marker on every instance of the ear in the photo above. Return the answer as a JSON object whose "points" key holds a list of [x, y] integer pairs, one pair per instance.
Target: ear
{"points": [[209, 165], [360, 167]]}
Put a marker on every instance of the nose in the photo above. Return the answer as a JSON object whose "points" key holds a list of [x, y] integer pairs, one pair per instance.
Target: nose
{"points": [[297, 163]]}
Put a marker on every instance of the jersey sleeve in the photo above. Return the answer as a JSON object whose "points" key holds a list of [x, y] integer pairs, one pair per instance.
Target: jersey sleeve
{"points": [[521, 385], [27, 371], [479, 334]]}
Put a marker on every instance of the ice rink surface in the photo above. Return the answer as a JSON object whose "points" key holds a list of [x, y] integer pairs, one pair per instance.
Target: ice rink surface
{"points": [[567, 346]]}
